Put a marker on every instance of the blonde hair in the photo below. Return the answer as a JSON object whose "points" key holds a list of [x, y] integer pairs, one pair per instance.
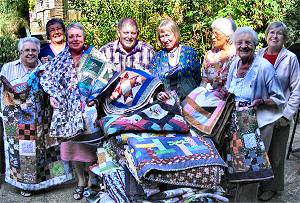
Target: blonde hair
{"points": [[171, 25]]}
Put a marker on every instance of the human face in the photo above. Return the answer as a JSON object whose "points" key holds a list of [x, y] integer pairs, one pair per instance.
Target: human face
{"points": [[245, 46], [275, 38], [219, 40], [168, 39], [75, 39], [29, 54], [56, 33], [128, 36]]}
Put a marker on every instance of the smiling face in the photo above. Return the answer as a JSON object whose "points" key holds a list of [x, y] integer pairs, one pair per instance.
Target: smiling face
{"points": [[219, 40], [56, 33], [275, 38], [128, 36], [75, 39], [29, 54], [167, 39], [245, 46]]}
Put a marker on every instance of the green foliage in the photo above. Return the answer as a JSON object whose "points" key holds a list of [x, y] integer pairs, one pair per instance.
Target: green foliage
{"points": [[8, 50], [13, 15], [194, 17]]}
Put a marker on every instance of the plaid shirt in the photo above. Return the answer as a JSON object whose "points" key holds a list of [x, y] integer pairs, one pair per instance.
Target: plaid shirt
{"points": [[140, 56]]}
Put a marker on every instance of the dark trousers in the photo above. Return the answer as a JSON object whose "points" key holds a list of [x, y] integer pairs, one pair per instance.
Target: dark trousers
{"points": [[276, 153], [2, 155]]}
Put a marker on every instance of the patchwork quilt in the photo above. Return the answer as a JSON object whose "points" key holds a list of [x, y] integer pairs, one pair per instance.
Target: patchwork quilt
{"points": [[176, 160], [247, 158], [154, 117], [134, 90], [206, 115], [32, 158]]}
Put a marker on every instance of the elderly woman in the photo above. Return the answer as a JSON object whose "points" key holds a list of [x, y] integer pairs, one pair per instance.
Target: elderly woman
{"points": [[32, 158], [287, 69], [72, 117], [217, 60], [55, 30], [256, 87], [177, 65], [202, 107]]}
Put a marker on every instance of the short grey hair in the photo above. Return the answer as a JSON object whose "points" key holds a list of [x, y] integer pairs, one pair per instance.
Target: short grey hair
{"points": [[277, 24], [246, 30], [75, 25], [33, 40]]}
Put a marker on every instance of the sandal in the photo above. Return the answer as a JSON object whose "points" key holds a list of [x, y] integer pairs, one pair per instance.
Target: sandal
{"points": [[25, 193], [78, 192]]}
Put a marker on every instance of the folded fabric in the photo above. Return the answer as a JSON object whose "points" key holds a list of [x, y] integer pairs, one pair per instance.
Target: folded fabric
{"points": [[115, 185], [154, 117], [246, 156], [134, 90], [208, 116], [124, 136], [164, 158], [93, 74], [208, 177]]}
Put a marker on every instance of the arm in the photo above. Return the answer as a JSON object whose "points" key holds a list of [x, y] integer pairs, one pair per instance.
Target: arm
{"points": [[293, 101]]}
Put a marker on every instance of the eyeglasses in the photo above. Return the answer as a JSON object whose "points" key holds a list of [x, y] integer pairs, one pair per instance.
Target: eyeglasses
{"points": [[273, 33], [26, 51], [59, 29]]}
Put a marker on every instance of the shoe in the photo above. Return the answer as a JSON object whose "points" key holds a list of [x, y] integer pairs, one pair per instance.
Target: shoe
{"points": [[25, 193], [267, 195], [78, 192]]}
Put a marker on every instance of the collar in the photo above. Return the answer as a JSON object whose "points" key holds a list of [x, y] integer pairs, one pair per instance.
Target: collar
{"points": [[17, 62]]}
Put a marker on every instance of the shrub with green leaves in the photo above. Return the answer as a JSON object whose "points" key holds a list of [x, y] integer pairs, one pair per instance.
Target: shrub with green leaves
{"points": [[194, 17], [9, 51]]}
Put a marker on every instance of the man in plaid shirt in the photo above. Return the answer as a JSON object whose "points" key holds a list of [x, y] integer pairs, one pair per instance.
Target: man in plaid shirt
{"points": [[127, 50]]}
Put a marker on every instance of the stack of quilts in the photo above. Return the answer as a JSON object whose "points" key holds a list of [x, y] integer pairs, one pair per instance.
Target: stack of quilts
{"points": [[159, 159]]}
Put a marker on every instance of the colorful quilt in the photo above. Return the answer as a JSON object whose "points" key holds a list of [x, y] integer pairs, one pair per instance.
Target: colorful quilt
{"points": [[154, 117], [93, 74], [32, 157], [73, 89], [134, 90], [115, 185], [204, 116], [247, 158], [159, 156]]}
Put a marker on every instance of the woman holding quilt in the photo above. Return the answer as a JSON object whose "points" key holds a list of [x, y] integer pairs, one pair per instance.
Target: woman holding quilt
{"points": [[202, 108], [32, 157], [259, 101], [177, 65], [73, 79]]}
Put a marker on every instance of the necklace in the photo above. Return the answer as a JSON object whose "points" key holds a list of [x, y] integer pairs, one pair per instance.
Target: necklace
{"points": [[172, 53]]}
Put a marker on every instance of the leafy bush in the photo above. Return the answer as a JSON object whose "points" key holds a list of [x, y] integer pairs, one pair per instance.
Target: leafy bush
{"points": [[8, 50], [194, 17]]}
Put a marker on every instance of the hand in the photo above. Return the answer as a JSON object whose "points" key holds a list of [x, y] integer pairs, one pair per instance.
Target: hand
{"points": [[92, 103], [162, 96], [282, 122], [45, 59], [54, 103], [222, 94], [256, 102]]}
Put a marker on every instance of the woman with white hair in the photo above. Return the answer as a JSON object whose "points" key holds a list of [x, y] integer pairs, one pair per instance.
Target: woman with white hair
{"points": [[217, 60], [288, 71], [31, 158], [203, 107], [259, 101]]}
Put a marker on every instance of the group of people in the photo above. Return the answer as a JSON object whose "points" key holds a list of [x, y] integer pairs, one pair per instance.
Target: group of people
{"points": [[267, 82]]}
